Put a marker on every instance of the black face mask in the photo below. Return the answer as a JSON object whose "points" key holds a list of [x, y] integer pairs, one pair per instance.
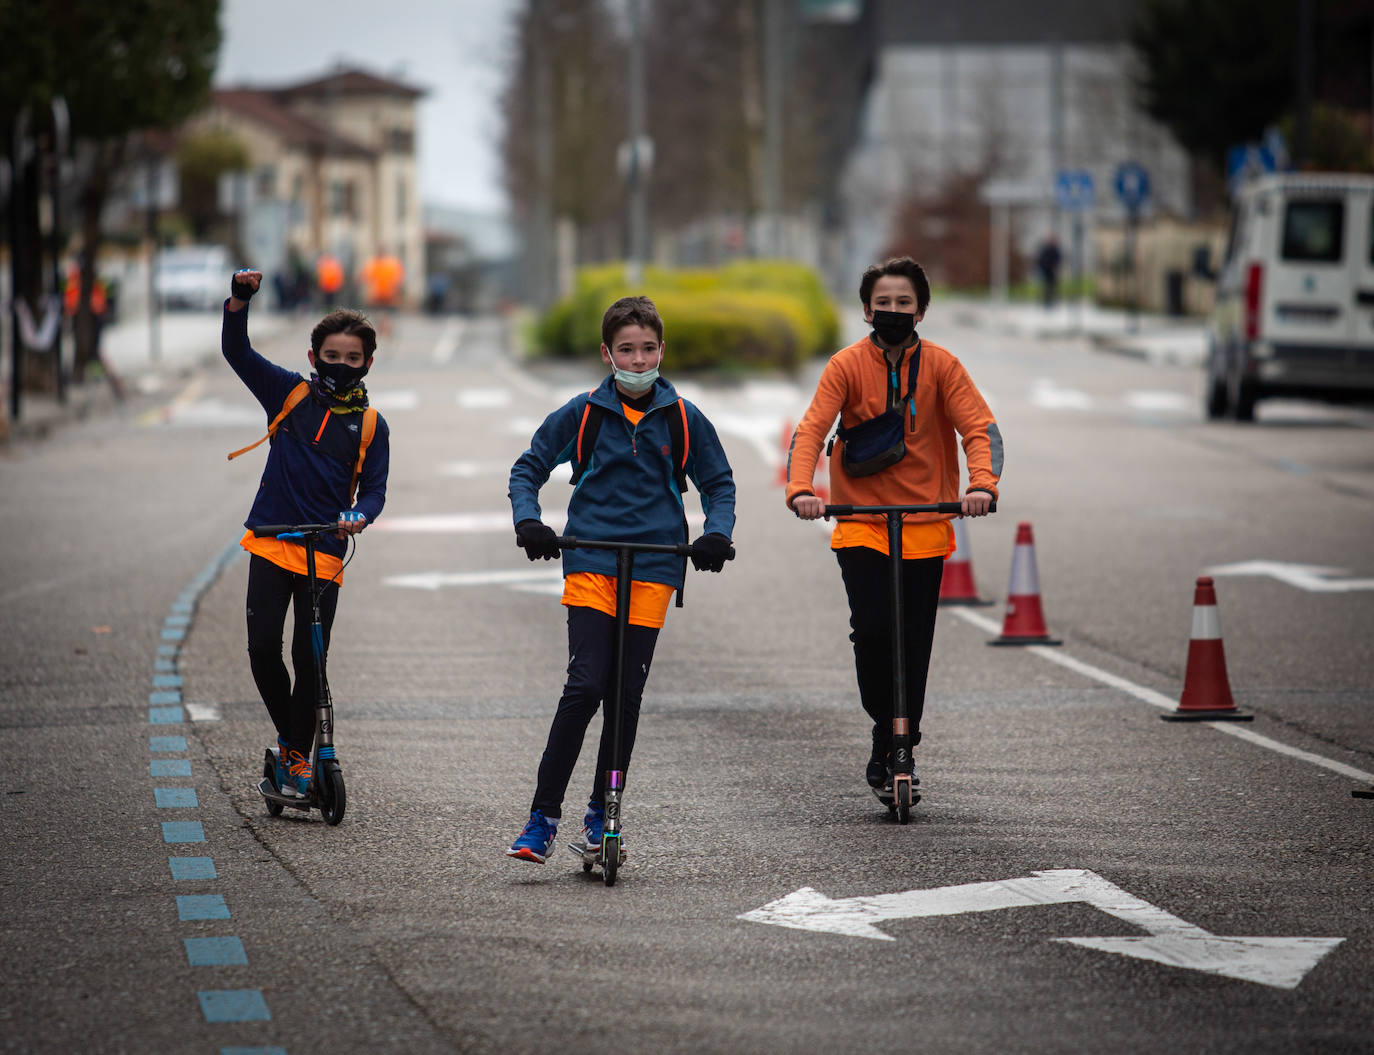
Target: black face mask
{"points": [[894, 328], [339, 379]]}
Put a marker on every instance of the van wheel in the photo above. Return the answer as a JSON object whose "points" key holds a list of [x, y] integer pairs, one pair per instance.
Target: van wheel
{"points": [[1241, 392], [1216, 402]]}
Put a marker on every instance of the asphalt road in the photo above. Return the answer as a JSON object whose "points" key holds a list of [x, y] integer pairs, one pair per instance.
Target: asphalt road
{"points": [[1057, 804]]}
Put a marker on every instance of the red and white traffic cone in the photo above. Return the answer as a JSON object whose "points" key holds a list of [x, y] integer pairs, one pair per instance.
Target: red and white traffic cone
{"points": [[784, 448], [1206, 689], [1024, 623], [956, 585]]}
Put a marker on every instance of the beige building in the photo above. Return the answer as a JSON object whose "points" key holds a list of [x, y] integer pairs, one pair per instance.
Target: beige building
{"points": [[334, 169]]}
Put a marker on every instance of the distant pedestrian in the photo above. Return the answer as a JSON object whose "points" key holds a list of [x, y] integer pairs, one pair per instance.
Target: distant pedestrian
{"points": [[329, 277], [1047, 262]]}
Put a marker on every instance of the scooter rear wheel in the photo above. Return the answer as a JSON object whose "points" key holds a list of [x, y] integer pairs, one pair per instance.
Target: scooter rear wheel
{"points": [[902, 789], [333, 797], [269, 772]]}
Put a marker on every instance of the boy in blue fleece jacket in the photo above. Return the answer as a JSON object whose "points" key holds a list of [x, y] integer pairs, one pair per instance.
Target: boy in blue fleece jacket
{"points": [[626, 492], [308, 479]]}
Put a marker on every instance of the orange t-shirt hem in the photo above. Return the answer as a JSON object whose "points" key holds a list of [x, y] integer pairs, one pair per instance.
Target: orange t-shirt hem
{"points": [[648, 600], [290, 556], [932, 538]]}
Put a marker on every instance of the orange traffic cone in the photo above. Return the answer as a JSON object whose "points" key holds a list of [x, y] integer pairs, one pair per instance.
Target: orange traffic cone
{"points": [[956, 586], [1206, 690], [784, 448], [1024, 623]]}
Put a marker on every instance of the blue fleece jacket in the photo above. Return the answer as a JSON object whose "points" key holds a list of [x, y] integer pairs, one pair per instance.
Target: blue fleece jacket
{"points": [[627, 492], [304, 482]]}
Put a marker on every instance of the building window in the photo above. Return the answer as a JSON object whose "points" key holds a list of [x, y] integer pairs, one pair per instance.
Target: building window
{"points": [[401, 141], [267, 181], [341, 198], [401, 200]]}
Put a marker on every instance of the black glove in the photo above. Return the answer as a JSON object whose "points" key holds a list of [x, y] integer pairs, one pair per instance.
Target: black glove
{"points": [[710, 552], [241, 290], [537, 539]]}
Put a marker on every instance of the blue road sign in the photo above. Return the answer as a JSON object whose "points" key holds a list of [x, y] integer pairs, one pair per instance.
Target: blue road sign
{"points": [[1074, 189], [1132, 184]]}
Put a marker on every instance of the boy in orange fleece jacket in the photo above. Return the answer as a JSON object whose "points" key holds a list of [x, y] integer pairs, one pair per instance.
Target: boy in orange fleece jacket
{"points": [[859, 383]]}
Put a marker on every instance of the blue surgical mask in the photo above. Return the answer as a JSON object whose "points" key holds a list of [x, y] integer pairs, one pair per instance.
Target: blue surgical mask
{"points": [[633, 383]]}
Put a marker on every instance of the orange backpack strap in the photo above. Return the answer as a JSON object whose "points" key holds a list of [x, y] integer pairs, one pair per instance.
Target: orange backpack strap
{"points": [[369, 428], [292, 398]]}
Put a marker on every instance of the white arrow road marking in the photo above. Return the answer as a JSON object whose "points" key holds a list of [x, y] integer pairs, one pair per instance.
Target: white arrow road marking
{"points": [[1310, 577], [1278, 962], [394, 400], [1045, 393], [203, 712], [483, 398], [528, 579]]}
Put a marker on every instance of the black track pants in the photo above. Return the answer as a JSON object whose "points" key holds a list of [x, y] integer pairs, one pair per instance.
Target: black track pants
{"points": [[271, 590], [867, 578], [591, 647]]}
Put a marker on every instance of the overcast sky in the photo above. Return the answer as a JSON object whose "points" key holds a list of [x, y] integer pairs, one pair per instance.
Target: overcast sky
{"points": [[454, 49]]}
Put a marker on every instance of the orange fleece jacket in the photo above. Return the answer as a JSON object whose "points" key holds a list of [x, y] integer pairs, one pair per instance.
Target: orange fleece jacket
{"points": [[854, 386]]}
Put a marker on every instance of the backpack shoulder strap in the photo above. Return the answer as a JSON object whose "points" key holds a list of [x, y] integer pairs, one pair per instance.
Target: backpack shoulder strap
{"points": [[587, 431], [369, 428], [680, 438], [289, 404]]}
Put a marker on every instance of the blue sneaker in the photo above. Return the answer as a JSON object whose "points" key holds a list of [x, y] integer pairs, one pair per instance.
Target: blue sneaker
{"points": [[534, 843], [298, 773], [283, 776], [593, 825]]}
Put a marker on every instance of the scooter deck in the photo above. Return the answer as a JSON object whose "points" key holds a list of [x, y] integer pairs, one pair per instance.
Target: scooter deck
{"points": [[590, 855], [888, 798], [266, 790]]}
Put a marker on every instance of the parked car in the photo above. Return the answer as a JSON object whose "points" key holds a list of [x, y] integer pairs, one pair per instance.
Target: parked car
{"points": [[1295, 295], [193, 276]]}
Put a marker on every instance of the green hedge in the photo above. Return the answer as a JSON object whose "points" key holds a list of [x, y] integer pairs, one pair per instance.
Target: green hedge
{"points": [[752, 313]]}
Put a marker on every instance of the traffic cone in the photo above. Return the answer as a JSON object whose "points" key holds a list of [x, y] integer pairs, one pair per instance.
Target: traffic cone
{"points": [[1024, 623], [956, 586], [1206, 690], [784, 447]]}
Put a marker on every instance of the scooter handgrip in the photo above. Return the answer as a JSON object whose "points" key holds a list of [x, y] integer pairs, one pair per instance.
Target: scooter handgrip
{"points": [[271, 530], [838, 511]]}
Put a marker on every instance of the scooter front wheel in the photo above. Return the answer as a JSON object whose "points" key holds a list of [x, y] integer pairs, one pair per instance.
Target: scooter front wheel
{"points": [[902, 792], [610, 858], [333, 797]]}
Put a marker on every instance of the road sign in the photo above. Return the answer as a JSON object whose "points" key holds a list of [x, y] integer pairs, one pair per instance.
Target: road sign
{"points": [[1277, 962], [1073, 188], [1132, 184]]}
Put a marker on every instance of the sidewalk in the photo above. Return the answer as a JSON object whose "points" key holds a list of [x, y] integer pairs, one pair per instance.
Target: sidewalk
{"points": [[185, 342], [1156, 338]]}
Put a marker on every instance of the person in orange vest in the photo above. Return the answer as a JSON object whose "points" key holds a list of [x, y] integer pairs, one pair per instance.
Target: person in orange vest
{"points": [[329, 276], [382, 276]]}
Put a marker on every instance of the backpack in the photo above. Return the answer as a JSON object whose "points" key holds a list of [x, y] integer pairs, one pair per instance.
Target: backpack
{"points": [[590, 427], [293, 398]]}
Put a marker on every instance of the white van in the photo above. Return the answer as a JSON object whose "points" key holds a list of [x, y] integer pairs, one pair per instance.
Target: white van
{"points": [[1295, 294]]}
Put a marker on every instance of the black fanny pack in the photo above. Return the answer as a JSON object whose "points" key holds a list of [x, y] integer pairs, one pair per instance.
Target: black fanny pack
{"points": [[878, 443]]}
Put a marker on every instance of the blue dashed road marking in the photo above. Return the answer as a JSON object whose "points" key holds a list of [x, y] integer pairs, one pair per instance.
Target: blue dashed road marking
{"points": [[169, 696], [169, 767], [234, 1005], [215, 952], [166, 743], [173, 633], [182, 832], [167, 681], [175, 798], [166, 716], [201, 906], [252, 1051], [192, 867], [163, 663]]}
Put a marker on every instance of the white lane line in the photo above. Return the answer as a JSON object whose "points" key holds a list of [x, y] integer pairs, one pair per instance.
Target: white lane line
{"points": [[393, 400], [449, 338], [1045, 393], [483, 398], [1158, 699]]}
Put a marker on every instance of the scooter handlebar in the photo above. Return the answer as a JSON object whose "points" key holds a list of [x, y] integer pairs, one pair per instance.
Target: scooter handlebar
{"points": [[278, 530], [681, 549], [930, 507]]}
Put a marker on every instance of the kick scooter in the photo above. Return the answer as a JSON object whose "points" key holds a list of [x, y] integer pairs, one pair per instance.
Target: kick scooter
{"points": [[610, 854], [326, 792], [903, 794]]}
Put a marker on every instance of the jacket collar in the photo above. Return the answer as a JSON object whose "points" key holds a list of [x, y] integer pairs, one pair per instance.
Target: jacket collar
{"points": [[608, 396]]}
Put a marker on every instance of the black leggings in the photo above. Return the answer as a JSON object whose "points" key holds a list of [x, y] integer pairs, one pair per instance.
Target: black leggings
{"points": [[271, 589], [867, 578], [591, 647]]}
